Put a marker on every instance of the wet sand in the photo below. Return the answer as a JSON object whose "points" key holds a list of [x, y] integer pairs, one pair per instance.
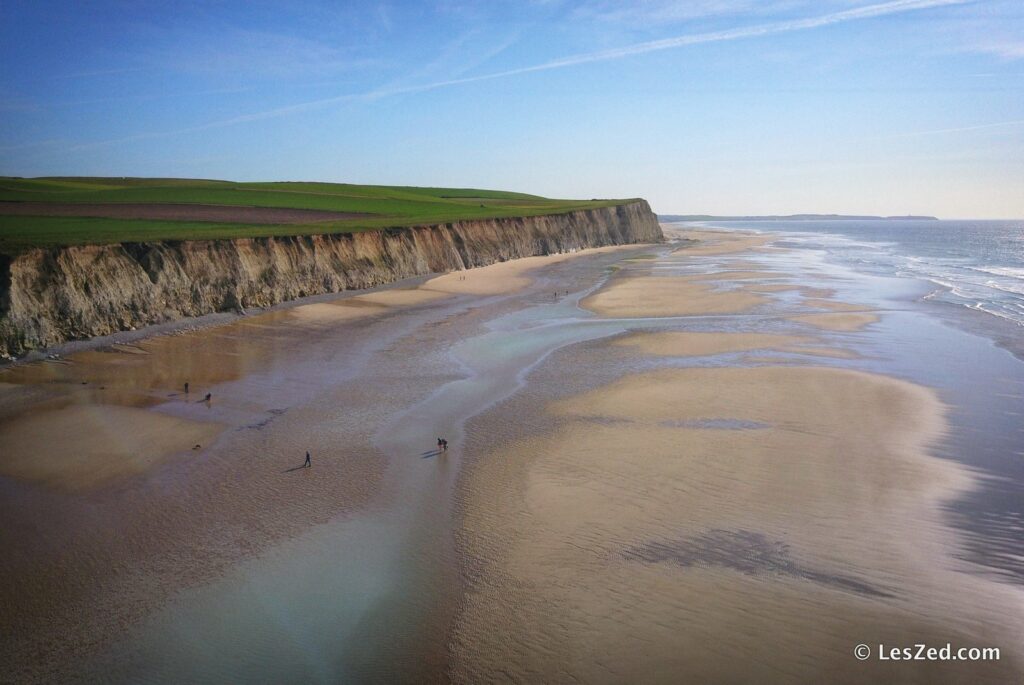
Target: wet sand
{"points": [[84, 393], [748, 521], [629, 496], [505, 277], [110, 513], [694, 343], [837, 322], [834, 306], [711, 243], [651, 296], [643, 539], [81, 447]]}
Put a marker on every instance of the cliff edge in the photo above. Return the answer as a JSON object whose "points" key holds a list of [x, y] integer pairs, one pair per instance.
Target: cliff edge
{"points": [[50, 296]]}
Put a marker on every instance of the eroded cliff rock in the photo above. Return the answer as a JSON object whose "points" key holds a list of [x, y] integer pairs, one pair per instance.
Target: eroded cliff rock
{"points": [[52, 296]]}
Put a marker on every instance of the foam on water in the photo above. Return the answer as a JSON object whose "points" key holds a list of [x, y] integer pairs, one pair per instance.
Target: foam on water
{"points": [[978, 265]]}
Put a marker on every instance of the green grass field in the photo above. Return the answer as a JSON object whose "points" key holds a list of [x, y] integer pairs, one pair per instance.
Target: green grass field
{"points": [[381, 207]]}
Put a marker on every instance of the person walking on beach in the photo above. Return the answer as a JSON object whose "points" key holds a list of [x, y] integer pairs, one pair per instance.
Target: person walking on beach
{"points": [[308, 463], [186, 387]]}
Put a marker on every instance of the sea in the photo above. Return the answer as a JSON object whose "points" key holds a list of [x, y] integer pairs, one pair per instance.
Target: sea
{"points": [[975, 265]]}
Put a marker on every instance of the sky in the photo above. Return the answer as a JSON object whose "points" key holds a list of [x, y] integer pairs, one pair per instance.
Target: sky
{"points": [[705, 106]]}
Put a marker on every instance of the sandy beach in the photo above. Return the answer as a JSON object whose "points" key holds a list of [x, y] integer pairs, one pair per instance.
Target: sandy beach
{"points": [[676, 462], [694, 523], [672, 511], [136, 490], [645, 296]]}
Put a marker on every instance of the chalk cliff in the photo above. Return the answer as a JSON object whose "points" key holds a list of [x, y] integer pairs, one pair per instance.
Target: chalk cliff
{"points": [[52, 296]]}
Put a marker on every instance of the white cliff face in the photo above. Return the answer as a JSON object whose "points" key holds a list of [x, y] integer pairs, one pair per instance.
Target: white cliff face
{"points": [[52, 296]]}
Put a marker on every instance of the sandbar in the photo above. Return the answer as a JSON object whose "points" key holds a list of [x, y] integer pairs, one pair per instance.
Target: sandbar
{"points": [[734, 275], [652, 544], [852, 321], [659, 296], [697, 343], [835, 306], [719, 242]]}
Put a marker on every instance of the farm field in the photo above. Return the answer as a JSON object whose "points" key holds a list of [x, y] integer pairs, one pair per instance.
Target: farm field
{"points": [[50, 212]]}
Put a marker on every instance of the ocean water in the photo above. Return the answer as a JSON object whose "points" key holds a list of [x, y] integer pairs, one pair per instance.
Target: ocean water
{"points": [[978, 265]]}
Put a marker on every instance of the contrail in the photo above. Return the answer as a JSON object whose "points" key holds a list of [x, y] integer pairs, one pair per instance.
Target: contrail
{"points": [[958, 129], [865, 12]]}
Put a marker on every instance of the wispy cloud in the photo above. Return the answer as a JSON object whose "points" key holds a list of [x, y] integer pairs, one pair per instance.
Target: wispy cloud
{"points": [[994, 27], [19, 105], [99, 72], [384, 16], [1006, 49], [647, 13], [461, 54], [49, 143], [246, 52], [141, 97], [865, 12], [956, 129], [759, 30]]}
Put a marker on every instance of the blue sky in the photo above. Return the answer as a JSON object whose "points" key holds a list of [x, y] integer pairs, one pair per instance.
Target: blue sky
{"points": [[707, 106]]}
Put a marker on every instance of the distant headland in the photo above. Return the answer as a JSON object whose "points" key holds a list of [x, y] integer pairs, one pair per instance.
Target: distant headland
{"points": [[789, 217]]}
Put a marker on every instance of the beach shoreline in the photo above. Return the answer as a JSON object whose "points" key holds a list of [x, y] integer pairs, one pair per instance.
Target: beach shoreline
{"points": [[177, 508], [722, 466], [622, 536]]}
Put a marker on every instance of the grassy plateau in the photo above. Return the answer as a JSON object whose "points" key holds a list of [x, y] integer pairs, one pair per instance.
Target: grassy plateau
{"points": [[40, 212]]}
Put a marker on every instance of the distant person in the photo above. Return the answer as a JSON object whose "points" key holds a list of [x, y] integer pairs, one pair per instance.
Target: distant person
{"points": [[308, 463], [186, 387], [440, 444], [208, 398], [444, 445]]}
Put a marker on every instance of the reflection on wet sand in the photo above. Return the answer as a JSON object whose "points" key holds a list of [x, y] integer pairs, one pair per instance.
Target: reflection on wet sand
{"points": [[83, 446], [120, 488], [697, 343], [701, 343], [781, 535], [747, 552]]}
